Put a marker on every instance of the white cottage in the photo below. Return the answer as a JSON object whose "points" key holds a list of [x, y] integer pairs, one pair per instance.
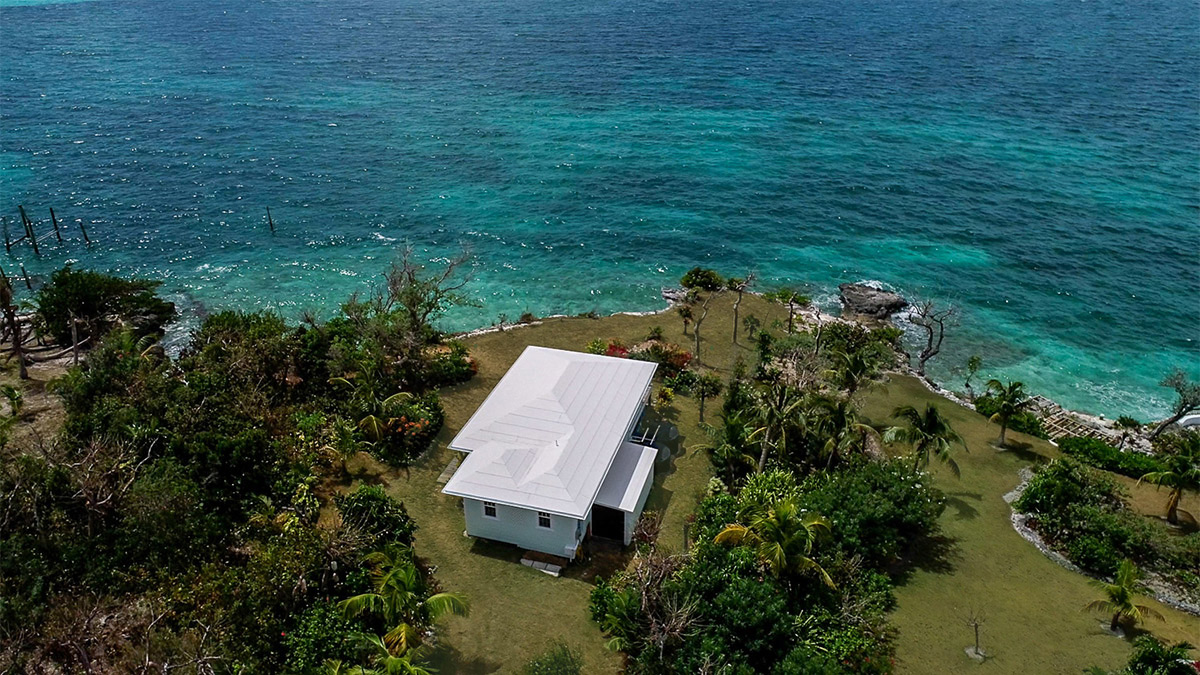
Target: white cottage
{"points": [[550, 457]]}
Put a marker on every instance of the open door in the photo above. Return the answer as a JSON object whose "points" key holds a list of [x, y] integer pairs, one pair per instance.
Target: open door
{"points": [[608, 523]]}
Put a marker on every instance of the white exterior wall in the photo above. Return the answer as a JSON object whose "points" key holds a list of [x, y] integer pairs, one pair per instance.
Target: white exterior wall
{"points": [[518, 526], [632, 518]]}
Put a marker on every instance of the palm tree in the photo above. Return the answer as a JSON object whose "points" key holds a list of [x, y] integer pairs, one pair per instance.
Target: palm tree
{"points": [[385, 661], [782, 534], [380, 413], [399, 597], [928, 434], [772, 412], [707, 386], [1182, 473], [853, 371], [1151, 656], [1011, 400], [728, 446], [837, 420], [1119, 596]]}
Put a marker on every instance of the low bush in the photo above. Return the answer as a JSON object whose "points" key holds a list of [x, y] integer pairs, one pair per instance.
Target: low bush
{"points": [[449, 364], [376, 514], [1025, 422], [1104, 456]]}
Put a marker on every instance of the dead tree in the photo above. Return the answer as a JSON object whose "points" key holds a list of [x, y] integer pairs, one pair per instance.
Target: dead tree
{"points": [[14, 327], [933, 320], [739, 286]]}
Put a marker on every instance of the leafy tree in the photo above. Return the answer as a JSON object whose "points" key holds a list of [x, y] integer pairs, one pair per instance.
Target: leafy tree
{"points": [[400, 598], [1120, 595], [707, 386], [702, 279], [1011, 399], [98, 302], [782, 535], [1182, 473], [1187, 399], [878, 508], [928, 434]]}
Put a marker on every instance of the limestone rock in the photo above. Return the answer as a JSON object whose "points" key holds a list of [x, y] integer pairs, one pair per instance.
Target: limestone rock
{"points": [[870, 302]]}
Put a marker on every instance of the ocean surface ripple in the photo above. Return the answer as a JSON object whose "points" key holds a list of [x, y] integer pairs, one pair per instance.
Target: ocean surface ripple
{"points": [[1036, 162]]}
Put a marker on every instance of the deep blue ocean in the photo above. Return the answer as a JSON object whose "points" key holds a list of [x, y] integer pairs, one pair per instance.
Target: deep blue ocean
{"points": [[1036, 162]]}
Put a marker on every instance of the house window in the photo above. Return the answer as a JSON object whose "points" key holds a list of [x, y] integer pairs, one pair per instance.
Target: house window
{"points": [[543, 519], [489, 509]]}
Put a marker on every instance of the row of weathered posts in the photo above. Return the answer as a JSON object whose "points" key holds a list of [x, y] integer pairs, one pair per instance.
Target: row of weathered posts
{"points": [[31, 233]]}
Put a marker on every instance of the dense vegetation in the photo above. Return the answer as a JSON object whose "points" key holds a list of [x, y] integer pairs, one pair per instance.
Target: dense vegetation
{"points": [[174, 520], [794, 548], [1101, 455], [1084, 513]]}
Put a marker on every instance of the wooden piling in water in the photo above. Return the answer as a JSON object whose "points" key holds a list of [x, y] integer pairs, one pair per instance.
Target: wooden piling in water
{"points": [[29, 230], [54, 220], [26, 275], [269, 221], [84, 229]]}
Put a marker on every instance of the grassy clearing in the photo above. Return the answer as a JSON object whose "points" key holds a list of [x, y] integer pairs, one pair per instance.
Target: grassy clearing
{"points": [[1034, 621], [517, 612]]}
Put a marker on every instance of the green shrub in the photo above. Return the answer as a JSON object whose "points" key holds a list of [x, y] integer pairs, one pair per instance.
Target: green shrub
{"points": [[450, 364], [321, 633], [98, 302], [1024, 422], [878, 345], [410, 429], [374, 512], [1082, 512], [1104, 456], [877, 509], [559, 660]]}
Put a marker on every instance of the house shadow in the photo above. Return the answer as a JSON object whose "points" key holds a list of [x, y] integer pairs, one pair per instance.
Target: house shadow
{"points": [[937, 554], [601, 558], [961, 503]]}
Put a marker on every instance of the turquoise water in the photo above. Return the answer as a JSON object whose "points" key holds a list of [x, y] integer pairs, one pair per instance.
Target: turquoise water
{"points": [[1035, 162]]}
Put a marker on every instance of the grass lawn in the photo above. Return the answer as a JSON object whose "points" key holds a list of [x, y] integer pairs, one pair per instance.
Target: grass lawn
{"points": [[1034, 622], [1033, 619]]}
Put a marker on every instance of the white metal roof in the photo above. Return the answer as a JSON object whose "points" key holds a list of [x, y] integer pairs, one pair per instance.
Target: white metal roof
{"points": [[546, 436], [626, 476]]}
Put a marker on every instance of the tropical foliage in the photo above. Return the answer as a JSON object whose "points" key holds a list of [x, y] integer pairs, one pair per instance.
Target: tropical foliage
{"points": [[180, 503]]}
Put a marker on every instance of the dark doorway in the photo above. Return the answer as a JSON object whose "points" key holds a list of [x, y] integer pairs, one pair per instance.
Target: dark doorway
{"points": [[608, 523]]}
